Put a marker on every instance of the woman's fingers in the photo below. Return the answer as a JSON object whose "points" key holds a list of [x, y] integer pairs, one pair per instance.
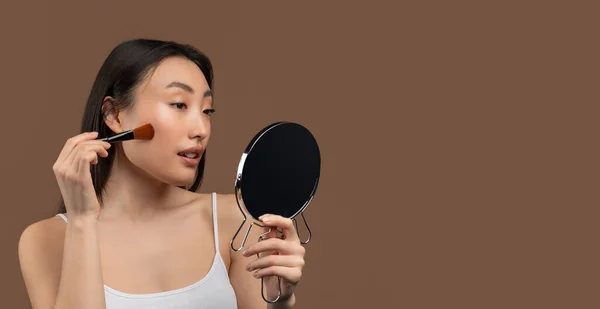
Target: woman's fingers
{"points": [[276, 260], [82, 155], [291, 274], [275, 244], [72, 157], [89, 152], [71, 143], [269, 233], [286, 225]]}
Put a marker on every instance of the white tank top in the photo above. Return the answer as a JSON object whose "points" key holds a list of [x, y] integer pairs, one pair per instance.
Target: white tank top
{"points": [[213, 291]]}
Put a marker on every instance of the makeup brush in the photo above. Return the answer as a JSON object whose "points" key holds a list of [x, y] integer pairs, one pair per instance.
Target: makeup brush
{"points": [[142, 132]]}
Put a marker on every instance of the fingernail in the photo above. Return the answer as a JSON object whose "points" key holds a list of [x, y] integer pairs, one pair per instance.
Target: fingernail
{"points": [[255, 274], [249, 267], [245, 253]]}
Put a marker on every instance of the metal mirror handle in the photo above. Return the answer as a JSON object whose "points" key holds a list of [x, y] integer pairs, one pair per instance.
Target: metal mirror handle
{"points": [[304, 242], [261, 238], [262, 281]]}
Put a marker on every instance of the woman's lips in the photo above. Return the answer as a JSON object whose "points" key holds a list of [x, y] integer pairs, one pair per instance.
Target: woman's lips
{"points": [[192, 162], [191, 156]]}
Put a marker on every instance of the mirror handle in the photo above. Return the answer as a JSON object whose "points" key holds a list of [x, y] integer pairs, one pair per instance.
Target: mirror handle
{"points": [[245, 236], [304, 242], [262, 281]]}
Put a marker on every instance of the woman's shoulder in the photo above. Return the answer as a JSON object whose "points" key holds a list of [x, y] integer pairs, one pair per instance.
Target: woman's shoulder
{"points": [[42, 240], [47, 229], [228, 212], [47, 232]]}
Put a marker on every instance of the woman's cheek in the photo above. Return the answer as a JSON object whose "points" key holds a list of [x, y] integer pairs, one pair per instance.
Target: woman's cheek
{"points": [[165, 123], [160, 118], [164, 113]]}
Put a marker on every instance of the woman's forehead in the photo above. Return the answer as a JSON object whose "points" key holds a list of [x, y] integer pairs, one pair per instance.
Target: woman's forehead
{"points": [[173, 71]]}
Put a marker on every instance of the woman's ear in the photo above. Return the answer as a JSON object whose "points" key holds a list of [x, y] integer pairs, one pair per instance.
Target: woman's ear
{"points": [[111, 115]]}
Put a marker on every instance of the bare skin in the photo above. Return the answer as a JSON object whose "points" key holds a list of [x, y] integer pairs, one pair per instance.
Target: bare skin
{"points": [[148, 235]]}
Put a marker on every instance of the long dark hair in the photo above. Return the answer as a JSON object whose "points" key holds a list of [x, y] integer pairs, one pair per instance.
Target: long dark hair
{"points": [[123, 70]]}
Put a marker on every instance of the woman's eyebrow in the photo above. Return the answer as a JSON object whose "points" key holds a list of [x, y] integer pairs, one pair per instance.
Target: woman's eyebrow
{"points": [[181, 85], [188, 88]]}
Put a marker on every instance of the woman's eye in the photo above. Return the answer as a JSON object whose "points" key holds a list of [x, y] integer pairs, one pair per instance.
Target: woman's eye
{"points": [[179, 105], [209, 112]]}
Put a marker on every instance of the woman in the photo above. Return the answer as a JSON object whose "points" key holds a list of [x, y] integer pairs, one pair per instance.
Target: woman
{"points": [[129, 234]]}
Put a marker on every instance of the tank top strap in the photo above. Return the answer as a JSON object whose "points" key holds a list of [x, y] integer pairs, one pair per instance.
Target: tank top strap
{"points": [[63, 216], [215, 224]]}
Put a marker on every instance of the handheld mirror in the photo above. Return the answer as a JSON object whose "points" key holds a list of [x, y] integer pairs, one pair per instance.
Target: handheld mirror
{"points": [[277, 174]]}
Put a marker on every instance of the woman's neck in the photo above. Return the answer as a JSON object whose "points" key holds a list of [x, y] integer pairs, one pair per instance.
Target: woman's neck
{"points": [[133, 194]]}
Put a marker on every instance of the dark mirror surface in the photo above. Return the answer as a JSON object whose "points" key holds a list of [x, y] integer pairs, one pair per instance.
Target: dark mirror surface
{"points": [[281, 171]]}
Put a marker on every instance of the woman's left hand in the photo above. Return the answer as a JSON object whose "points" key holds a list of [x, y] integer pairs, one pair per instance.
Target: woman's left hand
{"points": [[281, 257]]}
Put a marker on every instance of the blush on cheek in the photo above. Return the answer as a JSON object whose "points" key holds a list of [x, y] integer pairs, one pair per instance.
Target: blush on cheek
{"points": [[168, 124], [162, 113], [158, 157], [163, 119]]}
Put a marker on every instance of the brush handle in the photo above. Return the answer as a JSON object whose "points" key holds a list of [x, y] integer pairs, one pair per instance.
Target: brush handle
{"points": [[123, 136]]}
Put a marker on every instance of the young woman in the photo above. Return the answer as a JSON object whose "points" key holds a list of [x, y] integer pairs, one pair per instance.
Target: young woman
{"points": [[132, 232]]}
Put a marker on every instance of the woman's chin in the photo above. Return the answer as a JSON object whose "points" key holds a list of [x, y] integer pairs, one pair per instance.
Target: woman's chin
{"points": [[181, 182], [176, 180]]}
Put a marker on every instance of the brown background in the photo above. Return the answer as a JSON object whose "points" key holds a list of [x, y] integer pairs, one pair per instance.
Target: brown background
{"points": [[459, 139]]}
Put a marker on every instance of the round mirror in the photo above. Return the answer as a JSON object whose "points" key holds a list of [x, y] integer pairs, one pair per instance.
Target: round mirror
{"points": [[278, 174], [279, 171]]}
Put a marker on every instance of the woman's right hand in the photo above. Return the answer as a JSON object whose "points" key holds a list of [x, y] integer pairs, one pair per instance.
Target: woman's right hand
{"points": [[72, 170]]}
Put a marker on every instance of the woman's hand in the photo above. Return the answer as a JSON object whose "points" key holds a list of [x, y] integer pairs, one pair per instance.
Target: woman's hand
{"points": [[72, 171], [282, 257]]}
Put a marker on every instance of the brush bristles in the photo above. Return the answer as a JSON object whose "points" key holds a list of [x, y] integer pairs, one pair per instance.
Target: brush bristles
{"points": [[144, 132]]}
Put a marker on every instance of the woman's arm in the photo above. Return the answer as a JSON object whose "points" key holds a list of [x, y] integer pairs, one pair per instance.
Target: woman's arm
{"points": [[62, 272]]}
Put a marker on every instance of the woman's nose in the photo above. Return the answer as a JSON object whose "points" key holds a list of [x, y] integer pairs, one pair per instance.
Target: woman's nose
{"points": [[199, 128]]}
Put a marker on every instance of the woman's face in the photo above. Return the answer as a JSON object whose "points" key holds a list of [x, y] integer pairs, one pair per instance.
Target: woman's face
{"points": [[176, 99]]}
